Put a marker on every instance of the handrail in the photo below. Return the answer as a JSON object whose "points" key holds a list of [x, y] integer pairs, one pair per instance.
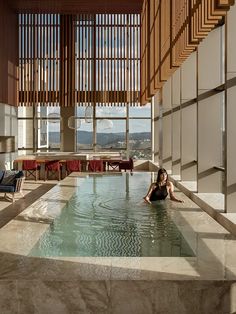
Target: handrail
{"points": [[219, 168]]}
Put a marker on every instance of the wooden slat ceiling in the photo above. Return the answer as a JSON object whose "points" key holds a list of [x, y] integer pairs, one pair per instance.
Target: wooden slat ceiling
{"points": [[77, 6]]}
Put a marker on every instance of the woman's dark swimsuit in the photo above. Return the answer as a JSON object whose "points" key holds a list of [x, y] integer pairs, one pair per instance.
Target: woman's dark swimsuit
{"points": [[159, 193]]}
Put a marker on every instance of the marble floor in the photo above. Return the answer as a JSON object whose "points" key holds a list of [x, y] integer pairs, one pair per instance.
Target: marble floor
{"points": [[205, 283]]}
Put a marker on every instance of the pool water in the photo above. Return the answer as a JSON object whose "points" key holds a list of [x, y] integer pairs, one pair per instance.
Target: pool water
{"points": [[108, 217]]}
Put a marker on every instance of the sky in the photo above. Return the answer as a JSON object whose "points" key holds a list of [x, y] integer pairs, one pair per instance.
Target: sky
{"points": [[109, 125]]}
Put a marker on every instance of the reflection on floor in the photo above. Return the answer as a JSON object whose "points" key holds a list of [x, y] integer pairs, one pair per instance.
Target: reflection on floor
{"points": [[31, 190]]}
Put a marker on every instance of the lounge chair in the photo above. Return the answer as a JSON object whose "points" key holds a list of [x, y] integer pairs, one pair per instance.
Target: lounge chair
{"points": [[11, 182]]}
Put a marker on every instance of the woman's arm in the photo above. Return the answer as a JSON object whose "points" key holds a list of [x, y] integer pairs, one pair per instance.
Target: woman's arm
{"points": [[170, 186], [147, 197]]}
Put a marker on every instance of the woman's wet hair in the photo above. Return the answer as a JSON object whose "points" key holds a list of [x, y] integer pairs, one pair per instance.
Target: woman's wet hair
{"points": [[160, 172]]}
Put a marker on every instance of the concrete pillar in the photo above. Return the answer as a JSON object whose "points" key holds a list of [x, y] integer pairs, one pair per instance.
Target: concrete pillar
{"points": [[156, 128], [230, 131], [152, 128], [8, 127], [167, 126], [189, 119], [68, 143], [175, 100], [210, 113]]}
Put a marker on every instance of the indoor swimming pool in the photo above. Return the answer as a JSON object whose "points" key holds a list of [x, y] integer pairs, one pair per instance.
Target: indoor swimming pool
{"points": [[107, 216]]}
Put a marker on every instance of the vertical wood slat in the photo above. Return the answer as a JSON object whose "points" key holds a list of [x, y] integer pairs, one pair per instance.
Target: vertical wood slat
{"points": [[119, 58], [41, 57], [105, 59], [137, 72], [108, 60], [126, 87], [82, 47], [50, 61], [130, 60], [114, 56], [78, 60], [43, 61], [53, 60], [27, 61], [94, 60], [123, 54], [102, 59], [89, 46], [47, 51], [35, 60], [22, 58], [65, 64], [111, 90], [99, 57]]}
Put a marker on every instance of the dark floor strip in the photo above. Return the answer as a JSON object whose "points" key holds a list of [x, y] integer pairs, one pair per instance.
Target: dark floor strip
{"points": [[11, 211]]}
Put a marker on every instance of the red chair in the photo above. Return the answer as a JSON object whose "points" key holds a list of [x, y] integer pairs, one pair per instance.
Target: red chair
{"points": [[52, 167], [95, 165], [31, 168], [114, 165], [73, 165], [126, 165]]}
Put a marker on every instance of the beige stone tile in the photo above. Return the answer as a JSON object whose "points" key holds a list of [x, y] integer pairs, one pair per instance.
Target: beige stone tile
{"points": [[133, 297], [18, 237], [124, 268], [8, 297], [174, 268], [215, 200], [65, 297], [230, 253], [91, 268], [195, 297]]}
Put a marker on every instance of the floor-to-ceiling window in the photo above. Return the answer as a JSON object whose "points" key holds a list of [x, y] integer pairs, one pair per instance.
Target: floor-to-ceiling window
{"points": [[96, 70]]}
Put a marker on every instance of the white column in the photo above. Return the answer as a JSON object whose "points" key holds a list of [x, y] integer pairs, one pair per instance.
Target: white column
{"points": [[68, 135], [156, 128], [210, 113], [8, 127], [230, 130], [152, 128], [175, 92], [189, 119], [166, 126]]}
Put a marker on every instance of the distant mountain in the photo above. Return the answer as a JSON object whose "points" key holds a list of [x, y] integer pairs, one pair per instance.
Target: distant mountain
{"points": [[85, 137]]}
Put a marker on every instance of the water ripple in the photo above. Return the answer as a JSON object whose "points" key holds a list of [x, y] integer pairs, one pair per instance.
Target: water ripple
{"points": [[114, 223]]}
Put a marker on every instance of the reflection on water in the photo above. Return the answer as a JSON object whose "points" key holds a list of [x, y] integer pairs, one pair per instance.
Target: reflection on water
{"points": [[107, 217]]}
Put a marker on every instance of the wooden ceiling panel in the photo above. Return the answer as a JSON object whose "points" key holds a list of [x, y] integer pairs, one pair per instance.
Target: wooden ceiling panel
{"points": [[77, 6]]}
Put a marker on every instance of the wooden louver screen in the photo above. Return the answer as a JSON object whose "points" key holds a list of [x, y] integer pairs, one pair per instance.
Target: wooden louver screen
{"points": [[170, 31], [39, 56], [107, 59], [84, 59]]}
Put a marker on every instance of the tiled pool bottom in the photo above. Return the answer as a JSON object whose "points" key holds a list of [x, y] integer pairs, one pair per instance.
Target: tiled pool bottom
{"points": [[107, 217]]}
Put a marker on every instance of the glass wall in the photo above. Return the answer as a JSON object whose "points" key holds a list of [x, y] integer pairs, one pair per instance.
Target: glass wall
{"points": [[121, 128], [39, 129], [124, 129], [140, 138]]}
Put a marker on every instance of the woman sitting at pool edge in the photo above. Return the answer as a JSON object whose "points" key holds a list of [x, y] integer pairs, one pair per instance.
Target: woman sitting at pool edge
{"points": [[161, 188]]}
